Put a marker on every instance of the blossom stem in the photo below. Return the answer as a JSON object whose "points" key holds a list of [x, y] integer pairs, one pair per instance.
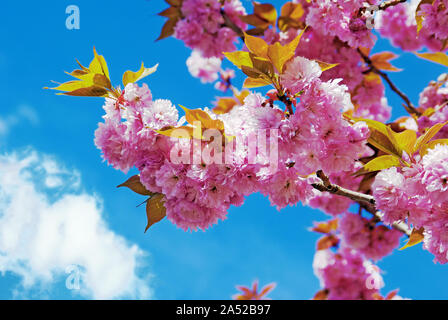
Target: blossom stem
{"points": [[409, 106], [288, 103], [367, 202]]}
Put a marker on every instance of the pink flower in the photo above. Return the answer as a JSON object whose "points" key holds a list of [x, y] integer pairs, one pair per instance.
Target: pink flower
{"points": [[346, 275], [299, 73], [205, 69], [371, 240], [391, 198]]}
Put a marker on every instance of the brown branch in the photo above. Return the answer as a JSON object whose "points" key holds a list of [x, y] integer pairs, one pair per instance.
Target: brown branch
{"points": [[390, 3], [288, 103], [409, 106], [367, 202], [327, 186], [229, 23]]}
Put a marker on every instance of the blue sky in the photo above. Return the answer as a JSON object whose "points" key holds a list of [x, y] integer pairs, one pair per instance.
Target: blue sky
{"points": [[255, 242]]}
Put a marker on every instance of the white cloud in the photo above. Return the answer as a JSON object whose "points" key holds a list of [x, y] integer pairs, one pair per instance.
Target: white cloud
{"points": [[40, 237], [23, 113]]}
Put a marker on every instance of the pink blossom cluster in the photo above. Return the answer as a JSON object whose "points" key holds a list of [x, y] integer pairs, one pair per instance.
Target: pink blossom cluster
{"points": [[435, 97], [347, 275], [203, 26], [368, 238], [317, 136], [436, 18], [402, 17], [206, 69], [198, 194], [368, 94], [418, 195], [342, 19]]}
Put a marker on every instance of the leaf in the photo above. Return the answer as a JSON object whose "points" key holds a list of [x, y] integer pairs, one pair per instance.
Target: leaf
{"points": [[240, 58], [252, 72], [326, 66], [256, 21], [381, 137], [171, 12], [131, 77], [437, 57], [279, 54], [406, 140], [255, 83], [183, 132], [155, 209], [135, 185], [430, 145], [242, 96], [174, 3], [381, 61], [290, 16], [99, 65], [255, 31], [391, 295], [198, 115], [382, 162], [429, 134], [326, 227], [93, 81], [224, 105], [256, 45], [415, 238], [327, 242], [321, 295], [168, 28], [92, 91], [265, 11]]}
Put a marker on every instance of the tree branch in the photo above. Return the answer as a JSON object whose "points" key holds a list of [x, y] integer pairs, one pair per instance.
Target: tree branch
{"points": [[229, 23], [327, 186], [390, 3], [409, 106], [367, 202]]}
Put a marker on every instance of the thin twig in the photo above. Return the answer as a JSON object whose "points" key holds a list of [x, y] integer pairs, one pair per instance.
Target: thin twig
{"points": [[409, 106]]}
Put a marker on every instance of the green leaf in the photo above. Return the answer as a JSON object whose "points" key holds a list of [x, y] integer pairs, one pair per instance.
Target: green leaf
{"points": [[429, 134], [326, 66], [93, 81], [279, 54], [437, 57], [255, 83], [430, 145], [256, 45], [382, 162], [406, 140], [381, 136], [240, 58], [131, 77]]}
